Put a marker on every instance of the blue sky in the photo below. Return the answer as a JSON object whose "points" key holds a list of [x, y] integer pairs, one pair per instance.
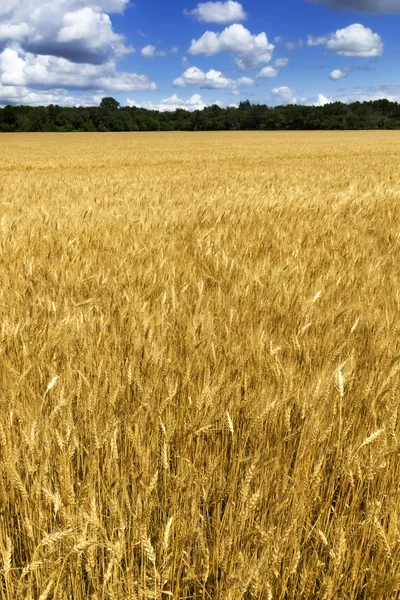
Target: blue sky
{"points": [[181, 53]]}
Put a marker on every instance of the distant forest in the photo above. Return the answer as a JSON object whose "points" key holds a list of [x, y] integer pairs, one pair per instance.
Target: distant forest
{"points": [[110, 116]]}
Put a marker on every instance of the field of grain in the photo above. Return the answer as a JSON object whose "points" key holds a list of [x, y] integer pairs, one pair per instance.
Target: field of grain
{"points": [[199, 366]]}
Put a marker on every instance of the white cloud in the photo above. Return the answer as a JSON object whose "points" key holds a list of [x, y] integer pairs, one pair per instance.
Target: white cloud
{"points": [[196, 77], [322, 100], [12, 68], [245, 81], [209, 80], [10, 7], [251, 50], [318, 100], [284, 95], [124, 82], [218, 12], [149, 51], [195, 102], [272, 72], [23, 95], [337, 74], [86, 24], [354, 40], [371, 6], [80, 30], [19, 68], [281, 62], [15, 32], [294, 45], [317, 41], [389, 92], [268, 73]]}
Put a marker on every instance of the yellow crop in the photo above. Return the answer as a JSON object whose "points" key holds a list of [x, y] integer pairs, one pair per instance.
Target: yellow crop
{"points": [[199, 366]]}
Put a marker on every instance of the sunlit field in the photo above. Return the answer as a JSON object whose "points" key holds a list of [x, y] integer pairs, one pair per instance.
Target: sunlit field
{"points": [[200, 366]]}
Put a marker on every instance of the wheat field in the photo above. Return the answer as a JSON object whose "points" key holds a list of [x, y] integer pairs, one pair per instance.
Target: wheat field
{"points": [[199, 366]]}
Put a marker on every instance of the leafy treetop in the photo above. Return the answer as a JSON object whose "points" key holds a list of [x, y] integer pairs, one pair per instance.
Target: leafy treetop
{"points": [[109, 103]]}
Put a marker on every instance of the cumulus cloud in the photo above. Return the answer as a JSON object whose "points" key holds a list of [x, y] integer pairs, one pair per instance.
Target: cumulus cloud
{"points": [[318, 100], [388, 92], [369, 6], [209, 80], [366, 94], [251, 50], [354, 40], [345, 71], [268, 73], [284, 95], [48, 45], [19, 68], [317, 41], [195, 102], [14, 32], [245, 81], [281, 62], [24, 95], [150, 51], [10, 7], [218, 12], [79, 30], [322, 100], [83, 24], [271, 72], [337, 74]]}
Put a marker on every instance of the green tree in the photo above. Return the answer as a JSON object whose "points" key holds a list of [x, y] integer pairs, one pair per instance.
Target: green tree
{"points": [[109, 103], [109, 116]]}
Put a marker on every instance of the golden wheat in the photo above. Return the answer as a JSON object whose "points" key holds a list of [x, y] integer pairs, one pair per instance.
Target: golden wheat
{"points": [[199, 366]]}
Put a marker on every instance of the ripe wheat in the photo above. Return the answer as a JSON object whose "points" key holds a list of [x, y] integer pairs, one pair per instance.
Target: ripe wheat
{"points": [[199, 366]]}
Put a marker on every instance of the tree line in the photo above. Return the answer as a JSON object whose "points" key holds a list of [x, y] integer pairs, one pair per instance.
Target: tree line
{"points": [[110, 116]]}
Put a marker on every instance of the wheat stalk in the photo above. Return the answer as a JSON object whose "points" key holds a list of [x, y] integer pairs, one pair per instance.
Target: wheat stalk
{"points": [[220, 309]]}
